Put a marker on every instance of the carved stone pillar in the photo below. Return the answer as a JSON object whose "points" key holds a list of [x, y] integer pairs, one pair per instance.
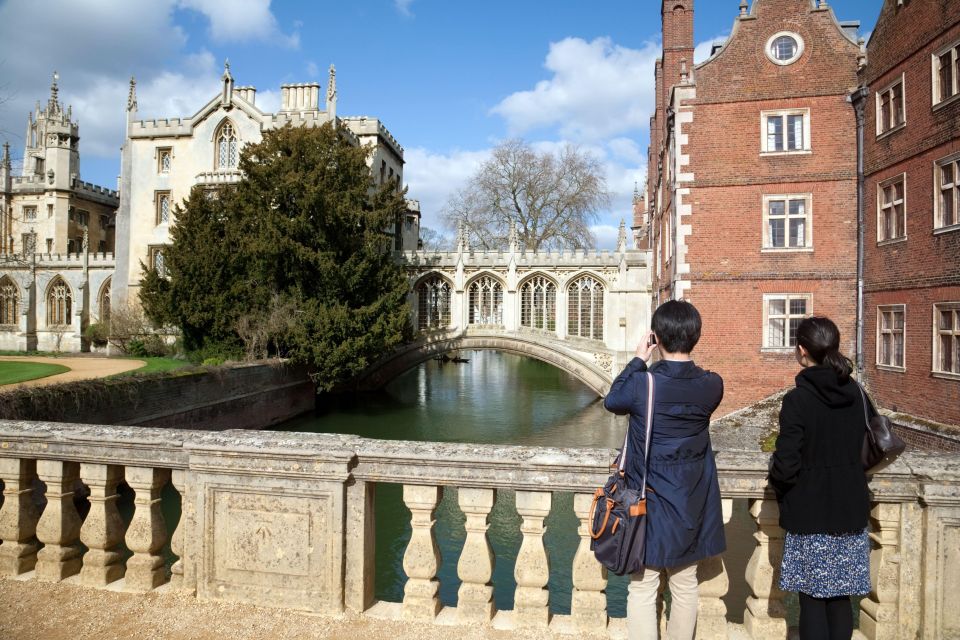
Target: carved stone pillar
{"points": [[531, 602], [714, 582], [18, 517], [422, 557], [183, 572], [475, 568], [765, 615], [59, 525], [878, 611], [588, 602], [102, 531], [147, 532]]}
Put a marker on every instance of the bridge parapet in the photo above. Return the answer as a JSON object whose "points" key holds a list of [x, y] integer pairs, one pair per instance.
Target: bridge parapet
{"points": [[286, 520]]}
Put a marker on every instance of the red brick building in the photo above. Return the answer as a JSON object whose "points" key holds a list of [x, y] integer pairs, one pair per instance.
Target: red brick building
{"points": [[752, 185], [911, 157]]}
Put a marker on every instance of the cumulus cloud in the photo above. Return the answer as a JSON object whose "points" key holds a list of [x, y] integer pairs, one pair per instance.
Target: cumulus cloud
{"points": [[434, 176], [702, 51], [241, 20]]}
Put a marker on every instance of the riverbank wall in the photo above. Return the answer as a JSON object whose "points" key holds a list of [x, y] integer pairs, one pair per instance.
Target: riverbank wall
{"points": [[244, 396]]}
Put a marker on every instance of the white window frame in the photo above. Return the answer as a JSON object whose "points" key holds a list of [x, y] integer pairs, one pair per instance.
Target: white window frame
{"points": [[787, 297], [880, 208], [784, 113], [796, 56], [892, 308], [881, 131], [938, 226], [954, 49], [935, 364], [765, 243]]}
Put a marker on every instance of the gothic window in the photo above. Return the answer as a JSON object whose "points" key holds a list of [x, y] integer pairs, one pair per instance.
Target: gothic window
{"points": [[163, 207], [538, 304], [9, 301], [164, 158], [29, 213], [585, 308], [59, 303], [226, 146], [104, 301], [486, 301], [433, 303], [158, 261]]}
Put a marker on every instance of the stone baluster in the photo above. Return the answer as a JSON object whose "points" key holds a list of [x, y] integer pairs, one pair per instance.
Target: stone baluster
{"points": [[18, 517], [765, 614], [588, 603], [59, 525], [475, 568], [182, 573], [147, 532], [422, 557], [878, 611], [102, 530], [714, 583], [532, 571]]}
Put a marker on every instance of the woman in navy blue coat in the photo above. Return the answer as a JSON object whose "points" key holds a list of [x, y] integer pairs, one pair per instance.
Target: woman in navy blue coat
{"points": [[684, 516]]}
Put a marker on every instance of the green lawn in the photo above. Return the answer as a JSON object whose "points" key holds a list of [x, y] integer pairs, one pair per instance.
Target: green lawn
{"points": [[156, 364], [13, 372]]}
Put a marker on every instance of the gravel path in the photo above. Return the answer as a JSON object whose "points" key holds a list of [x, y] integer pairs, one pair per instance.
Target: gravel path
{"points": [[80, 368]]}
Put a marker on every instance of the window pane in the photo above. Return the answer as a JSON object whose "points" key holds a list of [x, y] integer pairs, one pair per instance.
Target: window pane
{"points": [[946, 77], [797, 207], [777, 207], [946, 320], [794, 132], [900, 221], [946, 174], [946, 207], [777, 233], [775, 133], [778, 307], [897, 104], [798, 236], [885, 112], [776, 332], [898, 320], [885, 321], [794, 323], [784, 48], [946, 353], [885, 349], [898, 190], [798, 307], [897, 350]]}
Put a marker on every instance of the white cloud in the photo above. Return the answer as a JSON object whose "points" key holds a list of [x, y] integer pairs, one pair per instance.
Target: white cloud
{"points": [[313, 70], [598, 89], [702, 51], [403, 7], [242, 20], [433, 177], [606, 235]]}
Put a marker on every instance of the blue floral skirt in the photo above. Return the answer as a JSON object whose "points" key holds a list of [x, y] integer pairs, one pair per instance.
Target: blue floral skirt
{"points": [[825, 565]]}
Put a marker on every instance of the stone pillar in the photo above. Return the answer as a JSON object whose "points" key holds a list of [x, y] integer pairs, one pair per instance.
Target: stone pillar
{"points": [[878, 611], [361, 545], [18, 517], [422, 557], [588, 602], [147, 532], [532, 571], [765, 615], [59, 525], [475, 568], [102, 531], [183, 574], [714, 582]]}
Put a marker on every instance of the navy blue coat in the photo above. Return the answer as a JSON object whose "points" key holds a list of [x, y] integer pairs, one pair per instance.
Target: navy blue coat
{"points": [[684, 516]]}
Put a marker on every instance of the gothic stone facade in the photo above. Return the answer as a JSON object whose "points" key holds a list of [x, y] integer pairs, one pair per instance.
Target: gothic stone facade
{"points": [[912, 222], [753, 185]]}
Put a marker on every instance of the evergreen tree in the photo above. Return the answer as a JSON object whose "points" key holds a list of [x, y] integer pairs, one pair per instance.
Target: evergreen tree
{"points": [[295, 254]]}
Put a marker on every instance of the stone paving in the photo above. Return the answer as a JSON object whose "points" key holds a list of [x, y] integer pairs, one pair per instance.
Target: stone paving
{"points": [[81, 368]]}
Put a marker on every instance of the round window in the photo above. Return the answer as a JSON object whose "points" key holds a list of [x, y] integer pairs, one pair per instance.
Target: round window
{"points": [[784, 47]]}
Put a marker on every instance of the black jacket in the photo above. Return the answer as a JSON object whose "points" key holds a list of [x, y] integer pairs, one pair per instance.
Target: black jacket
{"points": [[816, 470]]}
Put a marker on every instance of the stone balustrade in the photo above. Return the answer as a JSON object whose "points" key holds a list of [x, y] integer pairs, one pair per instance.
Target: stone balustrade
{"points": [[287, 520]]}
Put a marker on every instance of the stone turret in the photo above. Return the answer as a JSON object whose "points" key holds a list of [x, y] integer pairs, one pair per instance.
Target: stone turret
{"points": [[51, 150]]}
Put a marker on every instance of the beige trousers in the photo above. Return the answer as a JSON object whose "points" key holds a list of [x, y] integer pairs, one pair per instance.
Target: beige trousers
{"points": [[642, 603]]}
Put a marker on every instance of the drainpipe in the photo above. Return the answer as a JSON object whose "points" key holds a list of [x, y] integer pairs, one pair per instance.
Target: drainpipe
{"points": [[859, 100]]}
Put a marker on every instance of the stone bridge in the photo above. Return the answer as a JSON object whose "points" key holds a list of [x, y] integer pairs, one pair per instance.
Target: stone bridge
{"points": [[581, 311]]}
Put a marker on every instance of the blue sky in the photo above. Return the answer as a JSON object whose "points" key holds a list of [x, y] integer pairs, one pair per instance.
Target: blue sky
{"points": [[449, 79]]}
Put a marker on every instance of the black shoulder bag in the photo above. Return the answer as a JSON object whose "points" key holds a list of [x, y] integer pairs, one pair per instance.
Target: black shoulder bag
{"points": [[881, 446]]}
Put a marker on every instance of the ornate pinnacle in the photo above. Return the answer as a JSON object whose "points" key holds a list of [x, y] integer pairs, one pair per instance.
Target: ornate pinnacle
{"points": [[463, 245], [622, 237], [512, 237], [332, 84], [5, 159], [226, 67], [743, 8], [132, 95], [53, 105]]}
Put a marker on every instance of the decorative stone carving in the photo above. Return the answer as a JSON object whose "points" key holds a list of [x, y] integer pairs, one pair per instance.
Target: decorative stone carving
{"points": [[604, 361], [18, 517], [147, 532], [475, 568], [102, 531], [422, 557], [588, 603], [59, 525], [878, 611], [532, 570], [765, 615], [714, 583], [183, 573]]}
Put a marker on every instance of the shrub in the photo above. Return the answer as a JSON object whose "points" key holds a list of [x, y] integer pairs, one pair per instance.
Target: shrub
{"points": [[148, 346], [98, 333]]}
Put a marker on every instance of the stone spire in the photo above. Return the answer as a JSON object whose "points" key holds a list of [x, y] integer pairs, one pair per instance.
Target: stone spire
{"points": [[332, 93], [622, 237], [463, 242], [512, 237], [227, 95], [132, 95], [53, 104], [5, 158]]}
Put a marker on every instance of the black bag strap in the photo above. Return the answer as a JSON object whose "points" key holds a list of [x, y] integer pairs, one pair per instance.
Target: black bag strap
{"points": [[866, 403], [646, 443]]}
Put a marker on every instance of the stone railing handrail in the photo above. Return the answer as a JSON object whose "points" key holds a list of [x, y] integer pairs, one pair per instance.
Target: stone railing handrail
{"points": [[286, 519]]}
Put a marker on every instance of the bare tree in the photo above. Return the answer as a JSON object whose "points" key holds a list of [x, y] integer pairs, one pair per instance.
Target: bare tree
{"points": [[551, 197], [127, 323], [433, 240]]}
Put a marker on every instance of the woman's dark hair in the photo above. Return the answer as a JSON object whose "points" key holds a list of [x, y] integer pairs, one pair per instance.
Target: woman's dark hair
{"points": [[677, 325], [821, 338]]}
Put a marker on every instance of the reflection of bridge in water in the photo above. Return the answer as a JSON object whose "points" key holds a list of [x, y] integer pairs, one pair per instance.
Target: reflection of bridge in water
{"points": [[581, 311]]}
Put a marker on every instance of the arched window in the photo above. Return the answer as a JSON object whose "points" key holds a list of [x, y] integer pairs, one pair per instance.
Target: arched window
{"points": [[226, 139], [538, 304], [433, 303], [585, 317], [59, 303], [9, 301], [486, 301], [104, 301]]}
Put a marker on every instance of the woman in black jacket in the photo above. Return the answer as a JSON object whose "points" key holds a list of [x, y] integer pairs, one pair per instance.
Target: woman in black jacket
{"points": [[820, 484]]}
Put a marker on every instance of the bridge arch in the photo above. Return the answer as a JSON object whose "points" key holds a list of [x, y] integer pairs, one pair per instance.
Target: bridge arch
{"points": [[409, 356]]}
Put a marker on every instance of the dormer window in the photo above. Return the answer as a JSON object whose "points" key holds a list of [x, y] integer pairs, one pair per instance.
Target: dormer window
{"points": [[226, 147]]}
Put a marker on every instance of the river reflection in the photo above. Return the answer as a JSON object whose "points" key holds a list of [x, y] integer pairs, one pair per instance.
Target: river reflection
{"points": [[495, 398]]}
